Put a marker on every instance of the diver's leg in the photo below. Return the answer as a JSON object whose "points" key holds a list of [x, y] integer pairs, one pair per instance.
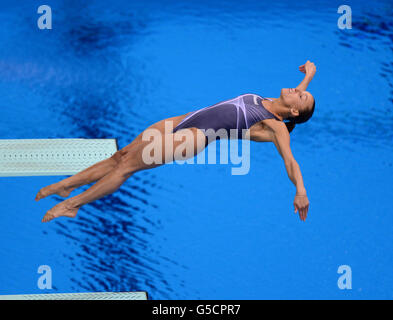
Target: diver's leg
{"points": [[130, 163], [64, 187], [95, 172]]}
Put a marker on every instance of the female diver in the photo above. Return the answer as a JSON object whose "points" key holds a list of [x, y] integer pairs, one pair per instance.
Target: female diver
{"points": [[262, 117]]}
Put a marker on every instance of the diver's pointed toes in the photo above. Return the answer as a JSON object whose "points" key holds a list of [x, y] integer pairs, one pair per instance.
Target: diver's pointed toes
{"points": [[47, 217]]}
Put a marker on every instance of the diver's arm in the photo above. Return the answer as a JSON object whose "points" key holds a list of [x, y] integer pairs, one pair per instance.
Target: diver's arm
{"points": [[281, 140], [262, 136], [282, 144], [309, 69]]}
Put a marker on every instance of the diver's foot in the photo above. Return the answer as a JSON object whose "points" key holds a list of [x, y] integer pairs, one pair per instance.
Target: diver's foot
{"points": [[56, 188], [63, 209]]}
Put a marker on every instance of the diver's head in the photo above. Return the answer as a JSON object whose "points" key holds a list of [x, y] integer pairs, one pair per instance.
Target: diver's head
{"points": [[300, 104]]}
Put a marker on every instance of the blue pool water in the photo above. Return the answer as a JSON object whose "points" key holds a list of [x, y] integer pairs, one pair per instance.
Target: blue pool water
{"points": [[110, 69]]}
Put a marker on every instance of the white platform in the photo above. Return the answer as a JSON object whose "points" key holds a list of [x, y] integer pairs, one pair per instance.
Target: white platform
{"points": [[52, 157], [140, 295]]}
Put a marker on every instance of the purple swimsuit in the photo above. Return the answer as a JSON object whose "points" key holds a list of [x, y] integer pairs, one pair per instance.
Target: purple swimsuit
{"points": [[238, 113]]}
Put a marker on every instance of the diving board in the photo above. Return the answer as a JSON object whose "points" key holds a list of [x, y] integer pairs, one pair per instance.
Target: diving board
{"points": [[138, 295], [52, 157]]}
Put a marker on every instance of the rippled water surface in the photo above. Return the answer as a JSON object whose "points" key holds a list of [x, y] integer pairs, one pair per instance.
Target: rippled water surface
{"points": [[110, 69]]}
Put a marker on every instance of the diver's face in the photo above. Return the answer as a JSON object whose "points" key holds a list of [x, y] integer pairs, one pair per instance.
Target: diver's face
{"points": [[297, 100]]}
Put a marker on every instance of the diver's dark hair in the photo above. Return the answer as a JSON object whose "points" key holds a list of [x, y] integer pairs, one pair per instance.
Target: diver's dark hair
{"points": [[301, 118]]}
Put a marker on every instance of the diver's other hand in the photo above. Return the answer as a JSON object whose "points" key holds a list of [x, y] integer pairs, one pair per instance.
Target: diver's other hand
{"points": [[308, 68], [301, 205]]}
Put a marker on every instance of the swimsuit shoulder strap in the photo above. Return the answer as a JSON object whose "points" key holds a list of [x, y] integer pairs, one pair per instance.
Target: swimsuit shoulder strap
{"points": [[263, 98]]}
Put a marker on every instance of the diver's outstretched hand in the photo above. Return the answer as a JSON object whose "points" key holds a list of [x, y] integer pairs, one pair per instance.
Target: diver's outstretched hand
{"points": [[301, 205], [308, 68]]}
